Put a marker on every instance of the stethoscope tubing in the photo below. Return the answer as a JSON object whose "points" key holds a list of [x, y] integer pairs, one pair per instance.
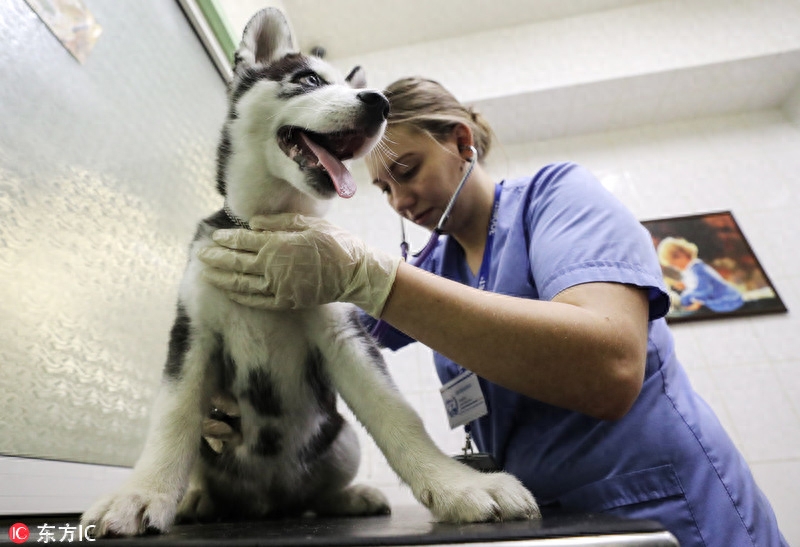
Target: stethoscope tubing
{"points": [[420, 256]]}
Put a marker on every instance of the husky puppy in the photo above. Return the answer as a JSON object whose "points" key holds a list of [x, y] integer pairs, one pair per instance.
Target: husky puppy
{"points": [[292, 120]]}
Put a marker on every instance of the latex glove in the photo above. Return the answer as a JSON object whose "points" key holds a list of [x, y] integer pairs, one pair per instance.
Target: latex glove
{"points": [[291, 261]]}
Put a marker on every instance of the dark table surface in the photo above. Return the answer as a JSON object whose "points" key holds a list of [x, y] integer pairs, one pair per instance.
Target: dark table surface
{"points": [[410, 525]]}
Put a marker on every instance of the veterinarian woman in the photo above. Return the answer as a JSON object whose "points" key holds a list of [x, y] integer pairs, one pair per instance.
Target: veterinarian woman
{"points": [[588, 403]]}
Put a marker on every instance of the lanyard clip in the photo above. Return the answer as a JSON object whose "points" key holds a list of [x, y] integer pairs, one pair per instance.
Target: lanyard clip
{"points": [[468, 450], [476, 460]]}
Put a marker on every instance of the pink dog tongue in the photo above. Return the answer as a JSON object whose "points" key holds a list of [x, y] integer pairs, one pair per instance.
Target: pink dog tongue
{"points": [[341, 177]]}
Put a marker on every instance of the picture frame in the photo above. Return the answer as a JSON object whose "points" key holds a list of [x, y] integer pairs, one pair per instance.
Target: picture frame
{"points": [[71, 22], [710, 269]]}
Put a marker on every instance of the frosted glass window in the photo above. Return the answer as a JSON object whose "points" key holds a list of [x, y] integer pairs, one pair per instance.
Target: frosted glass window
{"points": [[105, 169]]}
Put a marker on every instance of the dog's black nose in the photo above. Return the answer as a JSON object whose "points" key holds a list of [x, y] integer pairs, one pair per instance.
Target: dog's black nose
{"points": [[375, 102]]}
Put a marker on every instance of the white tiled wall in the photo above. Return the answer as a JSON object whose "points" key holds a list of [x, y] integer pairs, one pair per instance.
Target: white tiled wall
{"points": [[747, 368]]}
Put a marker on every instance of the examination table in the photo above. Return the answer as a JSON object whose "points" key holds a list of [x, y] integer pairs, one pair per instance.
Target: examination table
{"points": [[407, 526]]}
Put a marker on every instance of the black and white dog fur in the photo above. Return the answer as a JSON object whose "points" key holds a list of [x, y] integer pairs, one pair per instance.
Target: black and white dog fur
{"points": [[285, 368]]}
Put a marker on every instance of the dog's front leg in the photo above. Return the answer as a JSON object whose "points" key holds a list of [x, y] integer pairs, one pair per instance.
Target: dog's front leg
{"points": [[452, 491], [148, 500]]}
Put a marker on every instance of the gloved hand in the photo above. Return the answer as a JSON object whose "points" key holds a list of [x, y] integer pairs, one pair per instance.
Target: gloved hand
{"points": [[292, 261], [222, 427]]}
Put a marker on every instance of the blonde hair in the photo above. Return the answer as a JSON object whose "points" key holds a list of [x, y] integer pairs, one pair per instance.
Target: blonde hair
{"points": [[429, 108], [670, 244]]}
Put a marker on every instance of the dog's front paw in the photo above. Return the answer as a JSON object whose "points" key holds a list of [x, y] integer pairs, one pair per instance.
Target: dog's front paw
{"points": [[131, 512], [465, 495]]}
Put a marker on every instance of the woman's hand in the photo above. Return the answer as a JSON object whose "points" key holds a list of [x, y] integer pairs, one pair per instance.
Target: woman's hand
{"points": [[291, 261], [222, 427]]}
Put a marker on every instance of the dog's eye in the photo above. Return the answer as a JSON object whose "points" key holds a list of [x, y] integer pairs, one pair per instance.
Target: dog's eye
{"points": [[308, 79]]}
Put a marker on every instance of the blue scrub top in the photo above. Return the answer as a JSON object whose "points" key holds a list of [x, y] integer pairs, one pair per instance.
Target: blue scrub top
{"points": [[668, 459]]}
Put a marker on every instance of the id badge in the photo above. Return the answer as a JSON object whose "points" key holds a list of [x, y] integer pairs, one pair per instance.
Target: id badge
{"points": [[464, 402], [463, 399]]}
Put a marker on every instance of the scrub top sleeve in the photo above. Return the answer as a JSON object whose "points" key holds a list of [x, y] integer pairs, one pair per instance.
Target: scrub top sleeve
{"points": [[580, 233]]}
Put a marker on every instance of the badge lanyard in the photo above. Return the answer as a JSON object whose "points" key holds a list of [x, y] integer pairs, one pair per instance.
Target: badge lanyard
{"points": [[486, 262], [462, 395]]}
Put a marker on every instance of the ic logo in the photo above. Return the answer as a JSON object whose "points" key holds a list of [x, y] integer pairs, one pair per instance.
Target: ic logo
{"points": [[18, 533]]}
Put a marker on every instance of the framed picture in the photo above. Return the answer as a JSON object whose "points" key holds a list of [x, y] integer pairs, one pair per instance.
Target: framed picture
{"points": [[71, 22], [710, 269]]}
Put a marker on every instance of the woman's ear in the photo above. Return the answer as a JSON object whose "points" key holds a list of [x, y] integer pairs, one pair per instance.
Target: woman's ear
{"points": [[463, 138]]}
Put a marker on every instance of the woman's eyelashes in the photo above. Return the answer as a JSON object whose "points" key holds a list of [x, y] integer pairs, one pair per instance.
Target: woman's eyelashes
{"points": [[406, 172]]}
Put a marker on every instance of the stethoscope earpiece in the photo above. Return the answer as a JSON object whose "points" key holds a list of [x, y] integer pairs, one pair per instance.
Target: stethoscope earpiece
{"points": [[464, 148]]}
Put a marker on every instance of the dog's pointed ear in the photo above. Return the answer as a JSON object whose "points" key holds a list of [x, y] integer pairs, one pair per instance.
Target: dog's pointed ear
{"points": [[266, 38], [357, 78]]}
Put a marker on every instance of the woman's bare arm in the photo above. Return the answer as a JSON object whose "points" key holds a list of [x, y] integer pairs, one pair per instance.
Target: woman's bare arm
{"points": [[584, 350]]}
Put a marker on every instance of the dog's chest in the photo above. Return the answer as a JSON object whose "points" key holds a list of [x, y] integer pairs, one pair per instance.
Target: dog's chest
{"points": [[268, 362], [258, 352]]}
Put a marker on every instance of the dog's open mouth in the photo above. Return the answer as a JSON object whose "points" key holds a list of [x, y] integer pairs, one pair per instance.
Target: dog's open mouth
{"points": [[324, 151]]}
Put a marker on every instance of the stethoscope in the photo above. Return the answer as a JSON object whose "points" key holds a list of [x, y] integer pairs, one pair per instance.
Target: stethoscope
{"points": [[420, 256]]}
